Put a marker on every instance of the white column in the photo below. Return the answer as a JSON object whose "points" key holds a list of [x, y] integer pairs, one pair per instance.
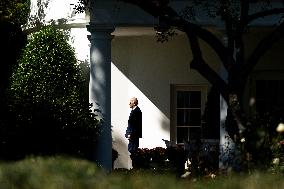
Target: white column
{"points": [[100, 89]]}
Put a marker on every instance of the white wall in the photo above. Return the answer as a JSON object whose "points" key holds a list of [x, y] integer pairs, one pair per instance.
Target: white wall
{"points": [[144, 68], [141, 67]]}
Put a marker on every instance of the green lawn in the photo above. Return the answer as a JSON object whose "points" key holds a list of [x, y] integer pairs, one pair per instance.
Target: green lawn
{"points": [[70, 173]]}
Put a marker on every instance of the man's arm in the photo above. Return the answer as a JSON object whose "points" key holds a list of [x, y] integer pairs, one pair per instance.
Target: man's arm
{"points": [[128, 132]]}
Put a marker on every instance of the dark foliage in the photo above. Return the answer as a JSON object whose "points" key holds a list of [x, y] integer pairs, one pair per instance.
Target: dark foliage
{"points": [[15, 11], [48, 112], [263, 143], [12, 41], [202, 158]]}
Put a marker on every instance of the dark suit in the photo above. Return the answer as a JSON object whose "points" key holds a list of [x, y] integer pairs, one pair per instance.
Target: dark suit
{"points": [[134, 129]]}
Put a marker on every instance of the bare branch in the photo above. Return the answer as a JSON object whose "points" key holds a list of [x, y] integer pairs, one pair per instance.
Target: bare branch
{"points": [[262, 14], [207, 36], [193, 31], [174, 20], [244, 9], [240, 28], [263, 46], [204, 69]]}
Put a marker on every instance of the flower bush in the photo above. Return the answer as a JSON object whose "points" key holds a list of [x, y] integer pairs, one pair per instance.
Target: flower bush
{"points": [[265, 135], [279, 149], [141, 159], [160, 159]]}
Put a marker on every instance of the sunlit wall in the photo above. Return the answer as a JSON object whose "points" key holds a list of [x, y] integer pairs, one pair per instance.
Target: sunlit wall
{"points": [[146, 69], [141, 67]]}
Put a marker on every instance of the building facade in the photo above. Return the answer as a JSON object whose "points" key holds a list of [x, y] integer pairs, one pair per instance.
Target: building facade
{"points": [[119, 42]]}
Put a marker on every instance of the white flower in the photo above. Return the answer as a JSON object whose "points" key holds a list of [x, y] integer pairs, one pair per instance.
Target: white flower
{"points": [[186, 174], [276, 161], [280, 128], [243, 140], [252, 101], [212, 175]]}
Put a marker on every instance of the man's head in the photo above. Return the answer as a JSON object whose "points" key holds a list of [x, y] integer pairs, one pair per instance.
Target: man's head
{"points": [[133, 102]]}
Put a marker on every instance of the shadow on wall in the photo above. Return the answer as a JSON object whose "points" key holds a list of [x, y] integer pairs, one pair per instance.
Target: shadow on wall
{"points": [[144, 68], [120, 145], [165, 125], [155, 122], [140, 65], [152, 67]]}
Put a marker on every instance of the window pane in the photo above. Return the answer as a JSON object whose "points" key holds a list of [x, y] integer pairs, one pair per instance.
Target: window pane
{"points": [[188, 99], [272, 91], [261, 107], [183, 99], [194, 133], [188, 133], [187, 117], [182, 117], [269, 96], [195, 99], [182, 134], [260, 89], [195, 117]]}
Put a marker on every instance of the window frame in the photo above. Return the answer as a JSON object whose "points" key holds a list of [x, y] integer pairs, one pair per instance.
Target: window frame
{"points": [[173, 121]]}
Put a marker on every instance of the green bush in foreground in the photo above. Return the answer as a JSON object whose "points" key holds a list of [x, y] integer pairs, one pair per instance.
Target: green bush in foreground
{"points": [[70, 173], [47, 173]]}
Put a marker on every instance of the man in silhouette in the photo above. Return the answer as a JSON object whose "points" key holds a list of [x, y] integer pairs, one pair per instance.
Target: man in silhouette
{"points": [[134, 129]]}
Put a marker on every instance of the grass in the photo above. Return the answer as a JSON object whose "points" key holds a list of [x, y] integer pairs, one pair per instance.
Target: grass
{"points": [[71, 173]]}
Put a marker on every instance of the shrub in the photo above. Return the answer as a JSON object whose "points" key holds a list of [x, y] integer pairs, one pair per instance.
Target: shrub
{"points": [[263, 137], [73, 173], [50, 113], [141, 159], [16, 12], [161, 159], [51, 172]]}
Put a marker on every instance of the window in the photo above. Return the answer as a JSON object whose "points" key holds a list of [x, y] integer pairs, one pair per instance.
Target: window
{"points": [[269, 97], [187, 106]]}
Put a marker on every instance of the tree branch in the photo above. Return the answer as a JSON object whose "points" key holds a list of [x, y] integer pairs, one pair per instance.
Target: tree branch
{"points": [[257, 15], [173, 19], [193, 31], [208, 37], [263, 46], [244, 4], [204, 69], [230, 38]]}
